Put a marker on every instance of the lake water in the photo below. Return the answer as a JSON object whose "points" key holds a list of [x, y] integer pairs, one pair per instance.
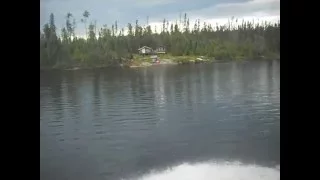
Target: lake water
{"points": [[204, 121]]}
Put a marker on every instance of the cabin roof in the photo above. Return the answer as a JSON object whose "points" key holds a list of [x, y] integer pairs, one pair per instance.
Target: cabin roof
{"points": [[146, 47]]}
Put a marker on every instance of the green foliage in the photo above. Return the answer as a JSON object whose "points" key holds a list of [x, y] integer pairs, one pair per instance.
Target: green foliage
{"points": [[109, 46]]}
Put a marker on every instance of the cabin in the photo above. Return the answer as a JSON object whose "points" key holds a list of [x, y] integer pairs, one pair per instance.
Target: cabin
{"points": [[145, 50], [160, 50]]}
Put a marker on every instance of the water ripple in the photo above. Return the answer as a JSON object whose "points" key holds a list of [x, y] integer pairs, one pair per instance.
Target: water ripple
{"points": [[114, 123]]}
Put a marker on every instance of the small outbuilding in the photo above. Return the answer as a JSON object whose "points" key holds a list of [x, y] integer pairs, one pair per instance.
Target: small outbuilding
{"points": [[160, 50]]}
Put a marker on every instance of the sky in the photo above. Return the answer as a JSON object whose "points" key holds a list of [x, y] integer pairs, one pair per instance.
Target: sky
{"points": [[128, 11]]}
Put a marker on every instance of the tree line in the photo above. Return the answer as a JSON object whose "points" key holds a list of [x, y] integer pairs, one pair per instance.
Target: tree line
{"points": [[108, 45]]}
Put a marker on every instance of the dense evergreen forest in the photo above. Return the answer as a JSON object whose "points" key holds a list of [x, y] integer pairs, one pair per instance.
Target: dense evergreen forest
{"points": [[108, 45]]}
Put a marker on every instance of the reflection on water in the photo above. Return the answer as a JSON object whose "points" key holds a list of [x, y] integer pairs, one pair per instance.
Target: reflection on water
{"points": [[107, 124]]}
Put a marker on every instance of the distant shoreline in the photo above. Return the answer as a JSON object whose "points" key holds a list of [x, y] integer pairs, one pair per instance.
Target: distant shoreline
{"points": [[138, 63]]}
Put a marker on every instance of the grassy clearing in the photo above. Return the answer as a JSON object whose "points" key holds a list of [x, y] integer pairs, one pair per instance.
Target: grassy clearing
{"points": [[139, 59]]}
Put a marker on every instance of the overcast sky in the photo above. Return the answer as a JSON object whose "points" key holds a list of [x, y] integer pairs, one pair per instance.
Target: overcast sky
{"points": [[125, 11]]}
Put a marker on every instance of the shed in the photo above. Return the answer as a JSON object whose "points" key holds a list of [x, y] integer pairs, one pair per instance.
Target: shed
{"points": [[160, 50]]}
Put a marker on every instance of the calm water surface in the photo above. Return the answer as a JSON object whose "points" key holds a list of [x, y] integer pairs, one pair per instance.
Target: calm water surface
{"points": [[111, 124]]}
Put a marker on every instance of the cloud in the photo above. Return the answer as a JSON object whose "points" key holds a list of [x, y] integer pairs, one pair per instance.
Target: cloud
{"points": [[127, 11], [250, 8], [257, 8], [150, 3]]}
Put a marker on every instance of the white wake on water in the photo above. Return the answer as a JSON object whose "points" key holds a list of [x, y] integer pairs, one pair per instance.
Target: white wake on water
{"points": [[214, 171]]}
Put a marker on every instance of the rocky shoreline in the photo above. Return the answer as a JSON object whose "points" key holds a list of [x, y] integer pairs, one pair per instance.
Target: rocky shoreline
{"points": [[145, 63]]}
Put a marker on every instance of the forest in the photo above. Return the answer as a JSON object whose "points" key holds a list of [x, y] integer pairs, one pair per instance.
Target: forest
{"points": [[109, 45]]}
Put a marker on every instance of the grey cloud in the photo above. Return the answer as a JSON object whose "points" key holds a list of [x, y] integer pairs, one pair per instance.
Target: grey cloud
{"points": [[125, 11], [267, 7]]}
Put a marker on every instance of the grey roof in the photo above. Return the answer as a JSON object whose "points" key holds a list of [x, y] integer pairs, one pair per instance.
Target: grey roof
{"points": [[145, 47]]}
